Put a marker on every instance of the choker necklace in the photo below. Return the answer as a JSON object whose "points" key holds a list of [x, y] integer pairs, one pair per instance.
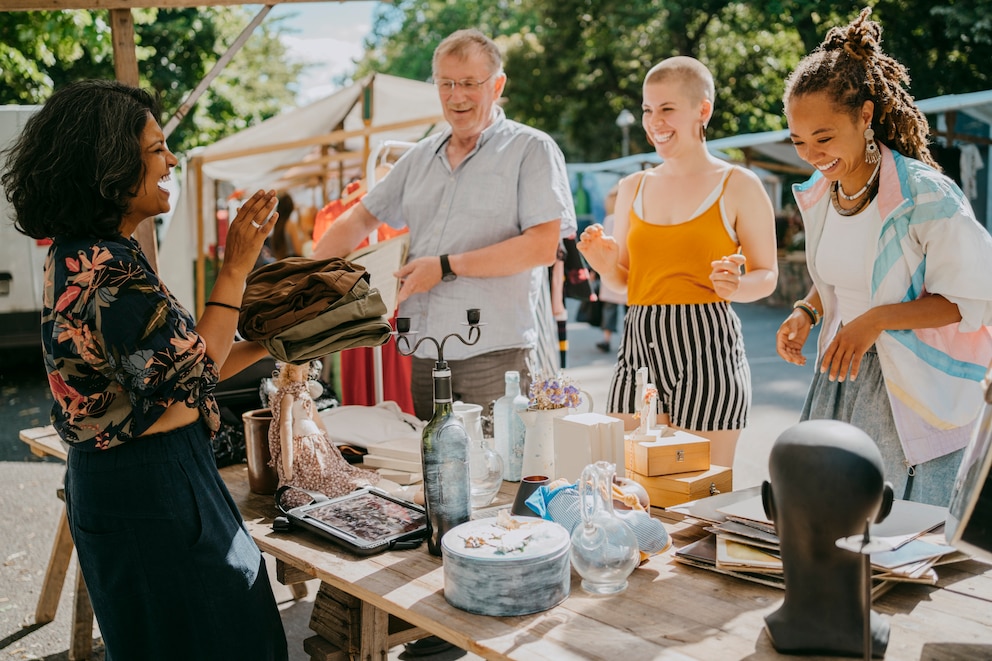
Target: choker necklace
{"points": [[871, 179], [871, 189]]}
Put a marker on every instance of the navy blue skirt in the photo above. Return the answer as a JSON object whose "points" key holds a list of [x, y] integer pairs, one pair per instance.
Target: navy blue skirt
{"points": [[171, 570]]}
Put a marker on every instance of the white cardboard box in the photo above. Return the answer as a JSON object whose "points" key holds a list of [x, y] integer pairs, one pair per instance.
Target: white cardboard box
{"points": [[585, 438]]}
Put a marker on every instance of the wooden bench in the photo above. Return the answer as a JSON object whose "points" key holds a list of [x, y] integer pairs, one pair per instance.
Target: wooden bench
{"points": [[44, 442]]}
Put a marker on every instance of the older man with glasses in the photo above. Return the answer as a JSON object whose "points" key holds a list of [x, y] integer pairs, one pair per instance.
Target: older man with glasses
{"points": [[487, 201]]}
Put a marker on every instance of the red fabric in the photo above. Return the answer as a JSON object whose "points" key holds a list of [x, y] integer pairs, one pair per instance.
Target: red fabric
{"points": [[357, 366], [358, 381]]}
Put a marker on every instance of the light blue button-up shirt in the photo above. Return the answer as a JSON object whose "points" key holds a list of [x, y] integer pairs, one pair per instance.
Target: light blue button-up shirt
{"points": [[514, 179]]}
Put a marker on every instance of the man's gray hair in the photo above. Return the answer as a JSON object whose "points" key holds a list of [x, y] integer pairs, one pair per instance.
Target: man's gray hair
{"points": [[463, 43]]}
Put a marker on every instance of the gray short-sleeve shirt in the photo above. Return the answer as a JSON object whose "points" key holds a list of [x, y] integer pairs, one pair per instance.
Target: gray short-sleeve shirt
{"points": [[514, 179]]}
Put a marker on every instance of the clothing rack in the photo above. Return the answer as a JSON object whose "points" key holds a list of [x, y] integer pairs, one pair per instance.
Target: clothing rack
{"points": [[373, 172], [952, 138]]}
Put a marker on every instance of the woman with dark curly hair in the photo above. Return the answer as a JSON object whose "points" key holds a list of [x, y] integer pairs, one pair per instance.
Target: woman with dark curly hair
{"points": [[906, 328], [171, 570]]}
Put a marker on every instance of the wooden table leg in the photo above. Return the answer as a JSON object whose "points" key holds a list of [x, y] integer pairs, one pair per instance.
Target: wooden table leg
{"points": [[58, 566], [81, 645], [347, 627], [294, 578], [373, 643]]}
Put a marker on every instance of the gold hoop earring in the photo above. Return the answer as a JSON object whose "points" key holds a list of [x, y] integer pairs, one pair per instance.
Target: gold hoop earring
{"points": [[871, 149]]}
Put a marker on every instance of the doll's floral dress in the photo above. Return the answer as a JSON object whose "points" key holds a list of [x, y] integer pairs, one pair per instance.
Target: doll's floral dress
{"points": [[317, 463]]}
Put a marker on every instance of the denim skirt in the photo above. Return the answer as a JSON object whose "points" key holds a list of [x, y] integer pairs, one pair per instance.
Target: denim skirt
{"points": [[864, 403], [170, 568]]}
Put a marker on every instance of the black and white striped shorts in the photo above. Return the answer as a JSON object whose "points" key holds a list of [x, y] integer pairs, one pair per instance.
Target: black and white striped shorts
{"points": [[695, 358]]}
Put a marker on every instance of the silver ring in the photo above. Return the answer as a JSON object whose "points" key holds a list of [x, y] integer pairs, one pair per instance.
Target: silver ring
{"points": [[256, 225]]}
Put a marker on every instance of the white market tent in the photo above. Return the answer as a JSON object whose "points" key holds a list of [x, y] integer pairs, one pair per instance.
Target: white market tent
{"points": [[318, 145], [772, 151]]}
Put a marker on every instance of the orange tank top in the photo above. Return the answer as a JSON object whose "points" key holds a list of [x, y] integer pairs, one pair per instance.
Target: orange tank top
{"points": [[670, 264]]}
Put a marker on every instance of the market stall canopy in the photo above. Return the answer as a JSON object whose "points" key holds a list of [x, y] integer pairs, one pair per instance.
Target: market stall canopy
{"points": [[775, 145], [955, 120], [390, 106]]}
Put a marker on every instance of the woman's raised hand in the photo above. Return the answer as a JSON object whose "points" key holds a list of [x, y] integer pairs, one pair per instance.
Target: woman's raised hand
{"points": [[726, 275], [247, 232], [599, 249]]}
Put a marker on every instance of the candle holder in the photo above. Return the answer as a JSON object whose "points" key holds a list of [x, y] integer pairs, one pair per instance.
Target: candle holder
{"points": [[403, 333], [444, 450]]}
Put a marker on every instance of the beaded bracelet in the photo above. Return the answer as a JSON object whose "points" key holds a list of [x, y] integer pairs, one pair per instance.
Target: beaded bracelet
{"points": [[811, 312], [224, 305]]}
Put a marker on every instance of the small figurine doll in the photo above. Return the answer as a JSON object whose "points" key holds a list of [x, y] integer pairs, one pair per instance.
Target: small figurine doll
{"points": [[302, 452]]}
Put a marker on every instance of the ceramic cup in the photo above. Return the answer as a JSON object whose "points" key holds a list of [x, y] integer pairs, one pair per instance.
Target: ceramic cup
{"points": [[262, 478], [528, 485]]}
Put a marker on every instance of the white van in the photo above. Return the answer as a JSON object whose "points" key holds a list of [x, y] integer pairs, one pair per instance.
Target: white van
{"points": [[22, 258]]}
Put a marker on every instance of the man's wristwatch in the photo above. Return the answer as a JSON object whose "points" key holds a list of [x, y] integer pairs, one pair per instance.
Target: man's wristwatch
{"points": [[446, 273]]}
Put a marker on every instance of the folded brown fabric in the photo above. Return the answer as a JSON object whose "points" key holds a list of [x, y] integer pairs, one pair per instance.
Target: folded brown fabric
{"points": [[289, 291], [300, 309]]}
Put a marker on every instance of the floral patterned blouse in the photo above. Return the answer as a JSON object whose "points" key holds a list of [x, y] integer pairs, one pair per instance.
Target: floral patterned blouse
{"points": [[119, 348]]}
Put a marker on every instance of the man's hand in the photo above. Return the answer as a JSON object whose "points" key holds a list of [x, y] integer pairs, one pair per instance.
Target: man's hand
{"points": [[418, 276]]}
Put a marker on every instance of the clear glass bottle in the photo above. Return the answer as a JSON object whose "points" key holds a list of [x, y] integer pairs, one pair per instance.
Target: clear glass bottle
{"points": [[445, 455], [604, 550], [508, 427], [486, 472]]}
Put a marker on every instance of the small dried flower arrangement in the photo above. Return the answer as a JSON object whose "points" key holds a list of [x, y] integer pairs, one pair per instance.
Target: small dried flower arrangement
{"points": [[554, 392], [649, 392]]}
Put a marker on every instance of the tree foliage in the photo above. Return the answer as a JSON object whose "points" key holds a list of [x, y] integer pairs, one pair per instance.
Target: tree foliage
{"points": [[175, 49], [573, 65]]}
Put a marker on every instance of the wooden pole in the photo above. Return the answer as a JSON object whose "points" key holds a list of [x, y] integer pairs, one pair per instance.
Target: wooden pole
{"points": [[126, 70], [200, 296], [187, 105]]}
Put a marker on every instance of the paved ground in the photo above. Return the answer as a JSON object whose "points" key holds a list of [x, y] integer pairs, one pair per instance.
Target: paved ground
{"points": [[29, 510]]}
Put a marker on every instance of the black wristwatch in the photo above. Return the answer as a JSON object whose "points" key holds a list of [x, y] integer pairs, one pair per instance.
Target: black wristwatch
{"points": [[446, 273]]}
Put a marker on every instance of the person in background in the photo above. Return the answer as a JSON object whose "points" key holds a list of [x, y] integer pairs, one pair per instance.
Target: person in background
{"points": [[556, 278], [171, 571], [691, 235], [486, 201], [286, 239], [906, 331], [611, 300]]}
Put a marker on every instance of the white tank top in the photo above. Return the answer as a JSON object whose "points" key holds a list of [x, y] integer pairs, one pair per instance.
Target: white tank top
{"points": [[845, 256]]}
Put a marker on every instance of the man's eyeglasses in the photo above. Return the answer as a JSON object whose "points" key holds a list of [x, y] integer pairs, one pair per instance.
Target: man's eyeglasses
{"points": [[447, 85]]}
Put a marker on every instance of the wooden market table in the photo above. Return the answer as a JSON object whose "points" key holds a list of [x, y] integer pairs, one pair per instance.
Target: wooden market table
{"points": [[669, 610], [366, 605]]}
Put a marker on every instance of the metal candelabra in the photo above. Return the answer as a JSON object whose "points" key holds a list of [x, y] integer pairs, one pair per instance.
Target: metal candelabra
{"points": [[403, 334]]}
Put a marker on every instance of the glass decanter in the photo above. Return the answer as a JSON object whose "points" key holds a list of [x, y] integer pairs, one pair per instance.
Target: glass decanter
{"points": [[486, 472], [604, 550]]}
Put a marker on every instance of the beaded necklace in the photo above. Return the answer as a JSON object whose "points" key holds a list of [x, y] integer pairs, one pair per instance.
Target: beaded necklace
{"points": [[871, 188], [871, 180]]}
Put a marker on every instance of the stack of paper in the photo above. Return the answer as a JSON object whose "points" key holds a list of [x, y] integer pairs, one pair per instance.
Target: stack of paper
{"points": [[743, 543], [397, 460]]}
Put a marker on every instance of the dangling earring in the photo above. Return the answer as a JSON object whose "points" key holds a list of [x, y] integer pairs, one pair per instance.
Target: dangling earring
{"points": [[702, 131], [871, 149]]}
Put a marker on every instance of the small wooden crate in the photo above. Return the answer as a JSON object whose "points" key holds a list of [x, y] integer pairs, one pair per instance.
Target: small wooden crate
{"points": [[653, 454], [667, 490]]}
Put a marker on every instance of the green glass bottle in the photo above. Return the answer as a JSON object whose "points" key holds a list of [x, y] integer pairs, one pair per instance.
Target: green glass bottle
{"points": [[445, 455]]}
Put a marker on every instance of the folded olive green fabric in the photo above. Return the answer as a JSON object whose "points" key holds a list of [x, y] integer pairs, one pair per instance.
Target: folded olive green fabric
{"points": [[301, 309]]}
